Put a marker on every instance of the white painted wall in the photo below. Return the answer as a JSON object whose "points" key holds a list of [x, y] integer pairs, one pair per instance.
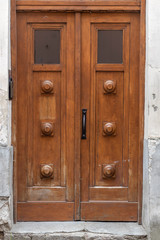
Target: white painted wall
{"points": [[151, 196], [6, 157], [153, 69], [5, 106], [4, 41]]}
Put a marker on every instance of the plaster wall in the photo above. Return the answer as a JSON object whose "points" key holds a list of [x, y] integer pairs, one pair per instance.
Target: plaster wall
{"points": [[151, 190], [5, 121]]}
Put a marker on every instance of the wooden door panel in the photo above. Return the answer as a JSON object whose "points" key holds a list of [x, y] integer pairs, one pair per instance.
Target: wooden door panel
{"points": [[134, 97], [94, 66], [109, 109], [109, 211], [21, 110], [46, 117], [108, 83], [36, 211], [45, 149], [108, 194], [50, 193]]}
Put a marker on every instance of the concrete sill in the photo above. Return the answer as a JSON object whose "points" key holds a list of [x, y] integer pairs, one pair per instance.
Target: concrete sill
{"points": [[76, 231]]}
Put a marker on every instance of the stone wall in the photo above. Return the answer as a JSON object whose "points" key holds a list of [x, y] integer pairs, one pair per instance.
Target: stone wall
{"points": [[6, 157]]}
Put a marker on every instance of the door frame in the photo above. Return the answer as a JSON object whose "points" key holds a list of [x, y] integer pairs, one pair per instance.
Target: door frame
{"points": [[77, 7]]}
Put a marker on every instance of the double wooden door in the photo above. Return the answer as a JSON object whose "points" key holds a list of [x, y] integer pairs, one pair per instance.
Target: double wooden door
{"points": [[77, 119]]}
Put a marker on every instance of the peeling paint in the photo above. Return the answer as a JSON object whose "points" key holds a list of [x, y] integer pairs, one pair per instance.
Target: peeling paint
{"points": [[155, 107], [154, 95]]}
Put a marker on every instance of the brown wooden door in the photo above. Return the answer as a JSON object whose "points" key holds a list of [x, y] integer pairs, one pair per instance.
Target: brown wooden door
{"points": [[110, 68], [68, 62], [45, 172]]}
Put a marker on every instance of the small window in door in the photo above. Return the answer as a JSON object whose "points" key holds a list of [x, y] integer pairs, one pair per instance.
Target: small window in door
{"points": [[110, 46], [47, 46]]}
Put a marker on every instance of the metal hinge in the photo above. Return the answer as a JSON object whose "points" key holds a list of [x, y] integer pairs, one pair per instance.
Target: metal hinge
{"points": [[10, 85]]}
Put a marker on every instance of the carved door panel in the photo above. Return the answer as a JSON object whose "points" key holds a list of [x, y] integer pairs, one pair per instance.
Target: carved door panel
{"points": [[45, 137], [109, 154], [91, 59]]}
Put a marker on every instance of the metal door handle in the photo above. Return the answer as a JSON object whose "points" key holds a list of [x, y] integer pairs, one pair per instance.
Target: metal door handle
{"points": [[84, 113]]}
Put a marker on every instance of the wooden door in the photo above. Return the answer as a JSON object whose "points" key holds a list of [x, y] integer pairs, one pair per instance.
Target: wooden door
{"points": [[45, 136], [109, 93], [67, 64]]}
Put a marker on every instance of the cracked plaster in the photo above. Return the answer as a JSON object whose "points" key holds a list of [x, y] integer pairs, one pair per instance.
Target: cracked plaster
{"points": [[5, 218]]}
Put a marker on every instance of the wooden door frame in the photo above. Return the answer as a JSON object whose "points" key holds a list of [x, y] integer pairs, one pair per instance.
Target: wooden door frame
{"points": [[77, 7]]}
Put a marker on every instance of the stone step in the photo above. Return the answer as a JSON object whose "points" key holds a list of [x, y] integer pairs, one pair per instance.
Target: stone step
{"points": [[76, 231]]}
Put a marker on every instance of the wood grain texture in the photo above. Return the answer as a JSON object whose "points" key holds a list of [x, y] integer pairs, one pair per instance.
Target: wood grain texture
{"points": [[45, 211], [108, 194], [85, 104], [141, 104], [85, 5], [109, 211], [134, 115], [77, 112], [78, 181], [53, 194], [73, 2], [119, 149], [70, 107], [37, 108], [44, 68], [109, 67], [21, 131], [78, 8], [109, 108], [127, 56]]}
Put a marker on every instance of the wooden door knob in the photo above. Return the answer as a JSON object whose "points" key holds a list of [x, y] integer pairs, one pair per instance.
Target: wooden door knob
{"points": [[47, 128], [47, 86], [109, 170], [46, 171], [109, 86], [109, 128]]}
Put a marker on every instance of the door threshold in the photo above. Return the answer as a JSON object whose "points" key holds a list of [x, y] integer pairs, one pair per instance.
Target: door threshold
{"points": [[76, 230]]}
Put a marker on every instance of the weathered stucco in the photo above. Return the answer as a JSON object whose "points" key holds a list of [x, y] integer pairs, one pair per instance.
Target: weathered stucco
{"points": [[152, 116], [6, 156], [6, 169], [5, 214], [154, 189], [151, 189], [3, 118], [4, 43]]}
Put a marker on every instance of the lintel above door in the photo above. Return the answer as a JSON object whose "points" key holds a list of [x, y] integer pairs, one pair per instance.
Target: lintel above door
{"points": [[85, 5]]}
